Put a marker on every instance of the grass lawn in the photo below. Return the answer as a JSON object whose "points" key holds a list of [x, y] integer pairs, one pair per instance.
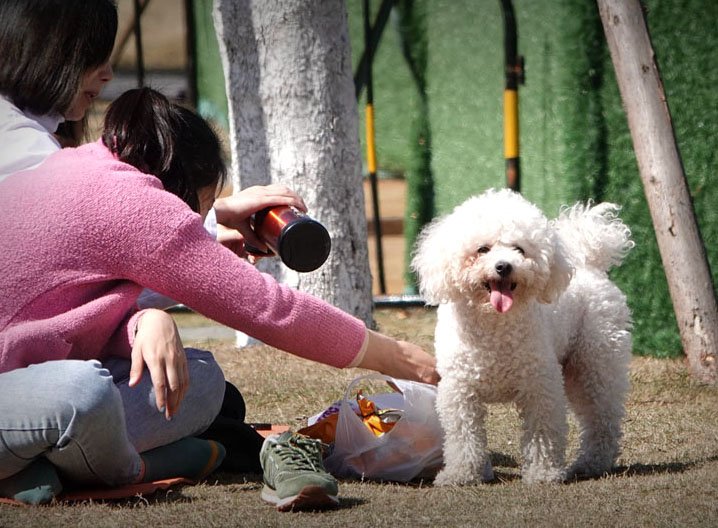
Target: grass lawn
{"points": [[666, 476]]}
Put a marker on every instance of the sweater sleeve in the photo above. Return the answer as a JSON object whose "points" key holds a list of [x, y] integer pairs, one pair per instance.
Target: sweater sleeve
{"points": [[165, 248]]}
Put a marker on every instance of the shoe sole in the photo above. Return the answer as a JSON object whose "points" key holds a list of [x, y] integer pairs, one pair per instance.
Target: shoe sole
{"points": [[310, 497]]}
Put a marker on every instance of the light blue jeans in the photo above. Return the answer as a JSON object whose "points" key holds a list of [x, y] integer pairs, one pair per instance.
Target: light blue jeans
{"points": [[83, 417]]}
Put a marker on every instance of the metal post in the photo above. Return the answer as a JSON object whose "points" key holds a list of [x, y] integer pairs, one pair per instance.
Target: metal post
{"points": [[371, 152], [514, 75], [191, 53], [366, 56], [138, 45]]}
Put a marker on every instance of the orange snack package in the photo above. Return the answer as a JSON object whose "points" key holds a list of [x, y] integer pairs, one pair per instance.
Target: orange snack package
{"points": [[378, 421]]}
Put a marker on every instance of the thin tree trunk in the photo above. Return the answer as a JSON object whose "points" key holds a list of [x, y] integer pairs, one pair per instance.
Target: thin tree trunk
{"points": [[293, 120], [674, 220]]}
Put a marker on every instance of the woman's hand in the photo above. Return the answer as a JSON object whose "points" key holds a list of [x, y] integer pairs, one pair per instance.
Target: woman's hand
{"points": [[158, 346], [234, 211], [399, 359], [234, 241]]}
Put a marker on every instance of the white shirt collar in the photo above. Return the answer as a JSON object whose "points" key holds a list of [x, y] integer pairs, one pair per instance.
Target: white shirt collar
{"points": [[48, 122]]}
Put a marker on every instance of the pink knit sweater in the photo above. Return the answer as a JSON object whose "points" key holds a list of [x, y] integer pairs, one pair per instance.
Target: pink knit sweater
{"points": [[83, 234]]}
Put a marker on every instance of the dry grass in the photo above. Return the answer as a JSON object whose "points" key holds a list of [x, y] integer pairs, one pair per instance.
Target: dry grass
{"points": [[666, 476]]}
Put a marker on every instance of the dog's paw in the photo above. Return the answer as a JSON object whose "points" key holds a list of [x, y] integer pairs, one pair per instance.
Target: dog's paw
{"points": [[536, 474], [452, 478], [462, 477]]}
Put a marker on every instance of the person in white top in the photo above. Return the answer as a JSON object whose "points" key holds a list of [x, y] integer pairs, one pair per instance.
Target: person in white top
{"points": [[26, 138], [55, 62]]}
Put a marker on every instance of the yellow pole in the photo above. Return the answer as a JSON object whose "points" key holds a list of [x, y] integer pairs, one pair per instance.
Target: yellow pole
{"points": [[370, 149]]}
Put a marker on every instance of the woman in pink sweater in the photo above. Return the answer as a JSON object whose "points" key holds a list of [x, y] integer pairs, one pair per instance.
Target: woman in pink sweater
{"points": [[72, 265]]}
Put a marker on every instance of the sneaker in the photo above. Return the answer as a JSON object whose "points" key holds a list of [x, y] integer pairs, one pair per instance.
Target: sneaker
{"points": [[294, 476]]}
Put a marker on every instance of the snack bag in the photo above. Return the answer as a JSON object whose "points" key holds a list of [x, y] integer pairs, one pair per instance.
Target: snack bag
{"points": [[390, 436]]}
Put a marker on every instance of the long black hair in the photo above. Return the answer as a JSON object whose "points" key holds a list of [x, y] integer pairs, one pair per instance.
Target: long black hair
{"points": [[47, 45], [143, 128]]}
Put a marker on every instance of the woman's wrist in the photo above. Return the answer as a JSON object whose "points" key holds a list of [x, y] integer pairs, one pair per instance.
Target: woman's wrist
{"points": [[133, 324], [380, 352], [398, 359], [221, 214]]}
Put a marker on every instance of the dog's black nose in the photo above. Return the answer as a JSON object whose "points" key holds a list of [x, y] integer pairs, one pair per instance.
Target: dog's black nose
{"points": [[503, 268]]}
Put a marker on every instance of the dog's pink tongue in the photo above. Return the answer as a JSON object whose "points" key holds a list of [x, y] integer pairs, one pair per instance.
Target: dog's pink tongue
{"points": [[501, 295]]}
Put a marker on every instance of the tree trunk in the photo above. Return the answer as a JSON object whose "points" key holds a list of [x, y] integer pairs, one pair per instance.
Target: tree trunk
{"points": [[679, 241], [293, 120]]}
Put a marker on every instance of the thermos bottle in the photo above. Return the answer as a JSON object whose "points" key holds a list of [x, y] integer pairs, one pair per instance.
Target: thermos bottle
{"points": [[301, 242]]}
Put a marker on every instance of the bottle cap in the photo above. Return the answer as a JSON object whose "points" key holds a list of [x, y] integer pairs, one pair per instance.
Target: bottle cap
{"points": [[304, 244]]}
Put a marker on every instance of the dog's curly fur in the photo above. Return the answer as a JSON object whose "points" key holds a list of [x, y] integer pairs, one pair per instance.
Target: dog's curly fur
{"points": [[527, 314]]}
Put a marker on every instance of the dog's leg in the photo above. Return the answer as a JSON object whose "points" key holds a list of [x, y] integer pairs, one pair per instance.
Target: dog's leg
{"points": [[596, 380], [462, 417], [542, 407]]}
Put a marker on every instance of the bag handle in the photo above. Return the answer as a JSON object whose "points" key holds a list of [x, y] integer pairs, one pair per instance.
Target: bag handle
{"points": [[391, 381]]}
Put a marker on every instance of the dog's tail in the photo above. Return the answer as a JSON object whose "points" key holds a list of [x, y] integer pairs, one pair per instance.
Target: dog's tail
{"points": [[594, 235]]}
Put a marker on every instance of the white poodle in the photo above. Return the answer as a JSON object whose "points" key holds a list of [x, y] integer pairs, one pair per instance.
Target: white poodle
{"points": [[527, 314]]}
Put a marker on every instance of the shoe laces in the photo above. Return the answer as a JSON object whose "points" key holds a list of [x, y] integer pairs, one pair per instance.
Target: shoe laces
{"points": [[300, 452]]}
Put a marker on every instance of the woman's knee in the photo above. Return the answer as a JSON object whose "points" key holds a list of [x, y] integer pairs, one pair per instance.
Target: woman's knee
{"points": [[91, 394]]}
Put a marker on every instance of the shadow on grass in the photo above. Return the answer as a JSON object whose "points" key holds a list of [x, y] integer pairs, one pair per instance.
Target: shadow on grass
{"points": [[501, 460], [642, 470], [227, 477], [350, 502], [653, 469]]}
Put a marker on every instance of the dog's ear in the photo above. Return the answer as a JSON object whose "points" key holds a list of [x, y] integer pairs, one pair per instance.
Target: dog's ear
{"points": [[433, 261], [560, 272]]}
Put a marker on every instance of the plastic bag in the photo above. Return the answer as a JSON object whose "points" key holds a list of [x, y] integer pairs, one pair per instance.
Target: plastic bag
{"points": [[411, 449]]}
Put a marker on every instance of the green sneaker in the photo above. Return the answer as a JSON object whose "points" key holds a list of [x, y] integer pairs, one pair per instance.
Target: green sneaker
{"points": [[294, 476]]}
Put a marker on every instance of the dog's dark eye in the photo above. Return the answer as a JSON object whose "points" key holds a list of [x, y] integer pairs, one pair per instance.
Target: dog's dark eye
{"points": [[520, 250], [484, 249]]}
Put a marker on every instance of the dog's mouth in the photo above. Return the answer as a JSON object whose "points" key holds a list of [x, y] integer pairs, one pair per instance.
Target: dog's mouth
{"points": [[501, 294]]}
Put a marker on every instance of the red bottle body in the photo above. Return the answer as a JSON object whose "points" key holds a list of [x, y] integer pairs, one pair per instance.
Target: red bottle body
{"points": [[301, 242]]}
